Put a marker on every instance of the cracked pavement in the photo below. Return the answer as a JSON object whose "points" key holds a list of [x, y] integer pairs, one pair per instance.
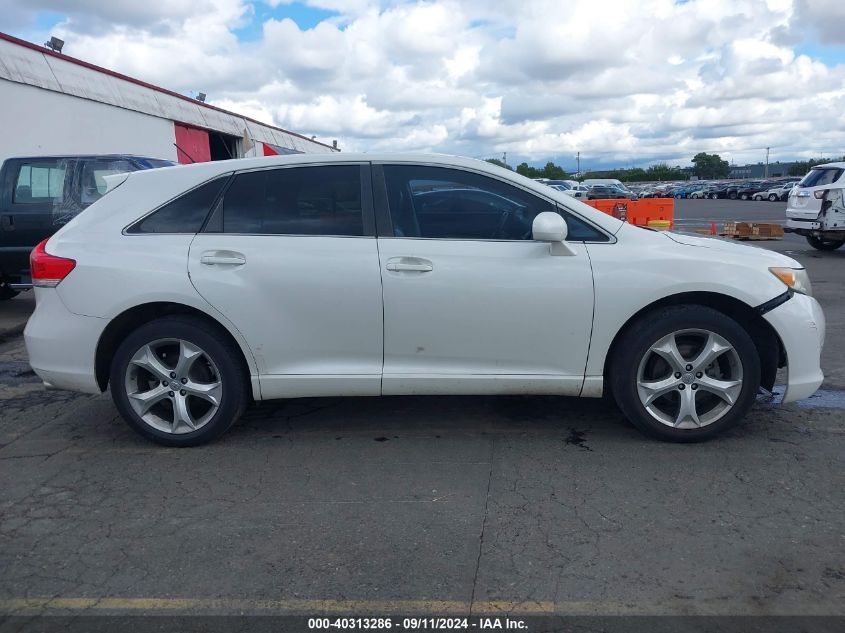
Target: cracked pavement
{"points": [[454, 500]]}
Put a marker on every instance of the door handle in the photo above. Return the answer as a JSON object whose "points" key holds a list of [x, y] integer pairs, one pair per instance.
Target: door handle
{"points": [[409, 265], [223, 258]]}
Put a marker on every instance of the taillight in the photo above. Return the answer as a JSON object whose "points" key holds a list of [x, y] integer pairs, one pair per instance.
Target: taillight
{"points": [[820, 194], [48, 270]]}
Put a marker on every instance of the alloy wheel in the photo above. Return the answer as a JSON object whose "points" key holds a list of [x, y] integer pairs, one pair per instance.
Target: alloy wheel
{"points": [[689, 378], [173, 386]]}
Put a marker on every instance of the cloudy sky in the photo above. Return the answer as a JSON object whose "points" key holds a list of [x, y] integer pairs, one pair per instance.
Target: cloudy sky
{"points": [[625, 82]]}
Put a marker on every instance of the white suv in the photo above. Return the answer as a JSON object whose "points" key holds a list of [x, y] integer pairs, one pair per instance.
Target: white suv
{"points": [[190, 292], [816, 207]]}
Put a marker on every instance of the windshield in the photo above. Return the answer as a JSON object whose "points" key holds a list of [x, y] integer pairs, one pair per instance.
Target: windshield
{"points": [[820, 176]]}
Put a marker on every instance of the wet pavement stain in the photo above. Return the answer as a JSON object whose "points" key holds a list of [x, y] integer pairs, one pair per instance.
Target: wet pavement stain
{"points": [[579, 439], [824, 399]]}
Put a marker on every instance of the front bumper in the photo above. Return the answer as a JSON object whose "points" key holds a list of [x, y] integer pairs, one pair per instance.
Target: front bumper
{"points": [[62, 345], [800, 323]]}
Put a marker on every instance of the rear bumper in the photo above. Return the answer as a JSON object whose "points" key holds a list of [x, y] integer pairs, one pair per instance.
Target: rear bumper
{"points": [[800, 323], [62, 345]]}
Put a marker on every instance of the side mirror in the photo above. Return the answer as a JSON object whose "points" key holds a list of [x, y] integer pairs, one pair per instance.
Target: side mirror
{"points": [[551, 227]]}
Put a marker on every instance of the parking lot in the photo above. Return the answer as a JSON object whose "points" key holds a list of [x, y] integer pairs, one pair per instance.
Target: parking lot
{"points": [[429, 505]]}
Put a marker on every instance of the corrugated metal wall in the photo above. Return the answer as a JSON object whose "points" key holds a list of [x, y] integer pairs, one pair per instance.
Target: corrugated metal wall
{"points": [[33, 67]]}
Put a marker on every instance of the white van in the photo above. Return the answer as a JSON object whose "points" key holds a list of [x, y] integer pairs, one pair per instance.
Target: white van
{"points": [[816, 207]]}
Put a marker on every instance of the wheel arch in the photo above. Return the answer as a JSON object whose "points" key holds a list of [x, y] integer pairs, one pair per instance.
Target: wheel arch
{"points": [[770, 348], [127, 321]]}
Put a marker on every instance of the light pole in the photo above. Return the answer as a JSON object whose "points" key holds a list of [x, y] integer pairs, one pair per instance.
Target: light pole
{"points": [[578, 158], [766, 172]]}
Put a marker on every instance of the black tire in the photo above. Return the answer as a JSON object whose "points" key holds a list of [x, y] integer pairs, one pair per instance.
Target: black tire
{"points": [[773, 197], [732, 196], [824, 245], [635, 344], [714, 196], [7, 292], [226, 357], [744, 197]]}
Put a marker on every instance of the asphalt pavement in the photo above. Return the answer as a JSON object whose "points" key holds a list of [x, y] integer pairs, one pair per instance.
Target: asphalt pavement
{"points": [[429, 505]]}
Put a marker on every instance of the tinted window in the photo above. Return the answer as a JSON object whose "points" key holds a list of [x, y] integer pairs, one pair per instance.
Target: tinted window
{"points": [[40, 181], [437, 202], [296, 201], [820, 177], [185, 214], [577, 230], [93, 177]]}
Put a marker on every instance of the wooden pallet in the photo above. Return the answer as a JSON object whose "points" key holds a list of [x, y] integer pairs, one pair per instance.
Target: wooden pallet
{"points": [[747, 231]]}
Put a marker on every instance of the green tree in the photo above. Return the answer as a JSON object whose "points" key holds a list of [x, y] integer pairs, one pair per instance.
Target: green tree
{"points": [[528, 171], [662, 171], [800, 168], [498, 162], [554, 172], [710, 166], [549, 170]]}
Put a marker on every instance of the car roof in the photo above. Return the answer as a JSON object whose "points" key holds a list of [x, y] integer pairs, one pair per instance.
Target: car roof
{"points": [[839, 165], [75, 156]]}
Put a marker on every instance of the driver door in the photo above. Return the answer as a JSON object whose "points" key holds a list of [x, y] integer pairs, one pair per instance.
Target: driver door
{"points": [[471, 303]]}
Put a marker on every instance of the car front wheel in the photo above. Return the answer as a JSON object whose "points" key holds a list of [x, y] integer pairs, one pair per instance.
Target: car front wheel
{"points": [[773, 197], [178, 382], [685, 374]]}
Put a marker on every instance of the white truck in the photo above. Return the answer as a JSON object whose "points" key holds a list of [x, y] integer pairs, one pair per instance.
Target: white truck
{"points": [[816, 207]]}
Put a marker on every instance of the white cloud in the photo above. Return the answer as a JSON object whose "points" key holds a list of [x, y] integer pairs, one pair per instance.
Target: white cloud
{"points": [[609, 78]]}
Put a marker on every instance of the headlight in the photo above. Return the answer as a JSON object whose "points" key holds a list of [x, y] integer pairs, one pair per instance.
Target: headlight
{"points": [[795, 278]]}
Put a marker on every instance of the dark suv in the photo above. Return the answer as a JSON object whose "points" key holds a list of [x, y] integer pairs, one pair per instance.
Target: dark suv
{"points": [[38, 195], [601, 192]]}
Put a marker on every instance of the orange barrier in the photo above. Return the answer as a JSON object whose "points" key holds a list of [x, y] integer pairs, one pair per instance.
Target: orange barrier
{"points": [[639, 212]]}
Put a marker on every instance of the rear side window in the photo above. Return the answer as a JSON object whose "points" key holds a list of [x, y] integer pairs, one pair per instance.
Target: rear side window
{"points": [[322, 200], [94, 174], [820, 177], [41, 181], [185, 214]]}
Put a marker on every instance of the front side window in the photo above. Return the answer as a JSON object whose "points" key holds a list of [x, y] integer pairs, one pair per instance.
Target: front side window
{"points": [[94, 174], [443, 203], [322, 200], [40, 181]]}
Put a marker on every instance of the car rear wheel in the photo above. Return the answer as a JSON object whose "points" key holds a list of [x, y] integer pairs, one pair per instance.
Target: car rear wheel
{"points": [[744, 197], [178, 382], [7, 292], [773, 197], [824, 245], [713, 196], [685, 374]]}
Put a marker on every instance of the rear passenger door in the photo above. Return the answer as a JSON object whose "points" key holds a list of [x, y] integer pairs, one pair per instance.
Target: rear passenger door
{"points": [[289, 256]]}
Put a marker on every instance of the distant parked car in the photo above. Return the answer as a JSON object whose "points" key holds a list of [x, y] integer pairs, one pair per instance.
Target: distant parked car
{"points": [[578, 191], [603, 192], [775, 194], [698, 193], [716, 191], [40, 194], [747, 192]]}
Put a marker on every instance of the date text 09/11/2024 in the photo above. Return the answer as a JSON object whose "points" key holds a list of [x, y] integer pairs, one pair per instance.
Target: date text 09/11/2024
{"points": [[417, 623]]}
